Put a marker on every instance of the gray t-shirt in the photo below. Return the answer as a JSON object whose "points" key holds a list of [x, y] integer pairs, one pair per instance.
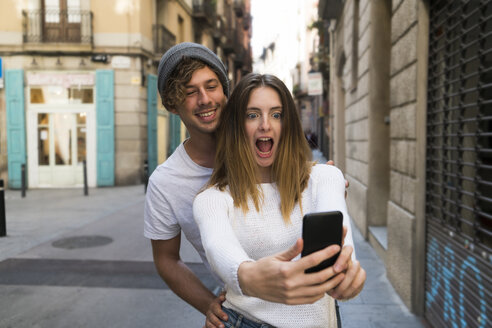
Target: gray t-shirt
{"points": [[169, 201]]}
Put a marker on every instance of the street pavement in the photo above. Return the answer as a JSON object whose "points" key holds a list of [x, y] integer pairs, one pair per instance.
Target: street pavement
{"points": [[70, 260]]}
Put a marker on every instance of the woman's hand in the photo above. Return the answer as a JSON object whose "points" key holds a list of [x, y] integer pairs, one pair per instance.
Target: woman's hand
{"points": [[278, 279]]}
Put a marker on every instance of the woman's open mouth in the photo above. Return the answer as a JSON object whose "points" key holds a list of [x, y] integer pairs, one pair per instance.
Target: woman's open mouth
{"points": [[264, 147]]}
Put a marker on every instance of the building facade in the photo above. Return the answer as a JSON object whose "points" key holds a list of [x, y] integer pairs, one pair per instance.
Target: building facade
{"points": [[78, 85], [293, 32], [410, 103]]}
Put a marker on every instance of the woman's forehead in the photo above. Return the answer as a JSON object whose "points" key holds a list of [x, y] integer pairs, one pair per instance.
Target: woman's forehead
{"points": [[264, 97]]}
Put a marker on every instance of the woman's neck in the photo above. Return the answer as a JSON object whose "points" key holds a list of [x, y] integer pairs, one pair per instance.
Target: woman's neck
{"points": [[265, 174]]}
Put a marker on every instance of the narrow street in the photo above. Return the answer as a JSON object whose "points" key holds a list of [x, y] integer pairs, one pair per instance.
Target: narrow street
{"points": [[75, 261], [97, 273]]}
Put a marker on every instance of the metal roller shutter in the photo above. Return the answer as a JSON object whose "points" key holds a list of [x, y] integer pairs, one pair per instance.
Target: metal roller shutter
{"points": [[459, 165]]}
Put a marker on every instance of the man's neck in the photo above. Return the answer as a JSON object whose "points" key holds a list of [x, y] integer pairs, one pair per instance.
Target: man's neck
{"points": [[201, 149]]}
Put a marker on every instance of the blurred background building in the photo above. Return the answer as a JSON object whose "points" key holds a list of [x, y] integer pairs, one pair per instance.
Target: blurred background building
{"points": [[408, 92], [287, 45], [78, 83]]}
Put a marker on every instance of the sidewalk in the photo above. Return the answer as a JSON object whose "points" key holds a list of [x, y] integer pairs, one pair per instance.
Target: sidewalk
{"points": [[45, 215], [75, 261]]}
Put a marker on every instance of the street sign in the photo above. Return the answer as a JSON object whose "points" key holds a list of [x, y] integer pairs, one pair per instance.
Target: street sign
{"points": [[315, 84]]}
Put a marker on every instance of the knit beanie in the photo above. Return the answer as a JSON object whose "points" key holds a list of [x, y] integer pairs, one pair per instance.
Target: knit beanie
{"points": [[175, 54]]}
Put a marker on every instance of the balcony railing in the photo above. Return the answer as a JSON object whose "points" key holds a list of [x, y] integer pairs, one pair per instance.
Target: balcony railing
{"points": [[204, 10], [230, 40], [163, 39], [53, 25], [239, 7]]}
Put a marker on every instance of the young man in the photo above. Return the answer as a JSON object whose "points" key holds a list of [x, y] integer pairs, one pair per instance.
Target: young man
{"points": [[193, 84]]}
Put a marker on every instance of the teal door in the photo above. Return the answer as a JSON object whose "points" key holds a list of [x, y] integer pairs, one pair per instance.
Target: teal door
{"points": [[16, 126], [152, 122], [175, 132], [105, 127]]}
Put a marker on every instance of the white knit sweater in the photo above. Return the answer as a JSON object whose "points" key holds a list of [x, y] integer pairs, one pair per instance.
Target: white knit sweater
{"points": [[231, 237]]}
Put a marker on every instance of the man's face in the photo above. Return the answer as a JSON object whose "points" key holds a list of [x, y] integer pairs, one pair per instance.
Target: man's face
{"points": [[204, 102]]}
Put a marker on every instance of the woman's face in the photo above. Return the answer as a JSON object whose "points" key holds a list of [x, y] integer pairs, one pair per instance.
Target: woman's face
{"points": [[263, 127]]}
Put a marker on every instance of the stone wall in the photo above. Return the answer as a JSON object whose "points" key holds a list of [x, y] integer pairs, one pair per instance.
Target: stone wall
{"points": [[380, 65], [406, 178], [130, 125], [356, 85], [363, 51]]}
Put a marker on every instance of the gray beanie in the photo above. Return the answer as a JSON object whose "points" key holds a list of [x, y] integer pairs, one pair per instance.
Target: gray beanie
{"points": [[174, 55]]}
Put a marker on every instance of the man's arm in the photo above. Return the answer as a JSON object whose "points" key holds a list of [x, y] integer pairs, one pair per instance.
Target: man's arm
{"points": [[178, 276]]}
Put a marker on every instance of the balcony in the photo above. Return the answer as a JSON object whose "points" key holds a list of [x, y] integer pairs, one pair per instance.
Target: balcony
{"points": [[239, 7], [330, 9], [204, 11], [230, 40], [163, 39], [57, 26], [218, 32], [240, 55], [247, 21]]}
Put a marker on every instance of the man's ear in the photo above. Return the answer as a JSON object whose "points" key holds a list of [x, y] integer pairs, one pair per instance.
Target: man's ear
{"points": [[173, 110]]}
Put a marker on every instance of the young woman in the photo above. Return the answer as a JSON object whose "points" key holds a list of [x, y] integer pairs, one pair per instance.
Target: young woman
{"points": [[262, 185]]}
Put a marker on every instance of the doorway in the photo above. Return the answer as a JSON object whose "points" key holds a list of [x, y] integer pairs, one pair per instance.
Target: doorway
{"points": [[61, 129], [62, 148], [59, 141]]}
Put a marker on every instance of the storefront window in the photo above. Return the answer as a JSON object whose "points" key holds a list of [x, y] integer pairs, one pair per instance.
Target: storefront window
{"points": [[61, 88], [80, 96], [37, 96], [60, 95]]}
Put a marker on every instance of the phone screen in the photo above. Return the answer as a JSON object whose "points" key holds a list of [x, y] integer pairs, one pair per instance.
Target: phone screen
{"points": [[320, 230]]}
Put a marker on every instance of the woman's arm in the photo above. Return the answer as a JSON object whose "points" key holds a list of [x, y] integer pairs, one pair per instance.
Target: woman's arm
{"points": [[211, 211]]}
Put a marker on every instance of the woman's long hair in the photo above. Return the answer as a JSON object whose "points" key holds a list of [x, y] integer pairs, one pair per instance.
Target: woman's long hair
{"points": [[235, 165]]}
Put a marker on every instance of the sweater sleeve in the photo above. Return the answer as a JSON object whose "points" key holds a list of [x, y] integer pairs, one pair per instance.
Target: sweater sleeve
{"points": [[212, 210], [330, 196]]}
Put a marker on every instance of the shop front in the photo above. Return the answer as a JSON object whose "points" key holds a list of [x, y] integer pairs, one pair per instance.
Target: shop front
{"points": [[61, 129], [57, 123]]}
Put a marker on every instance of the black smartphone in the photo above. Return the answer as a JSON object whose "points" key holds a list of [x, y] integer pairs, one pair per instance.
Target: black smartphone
{"points": [[320, 230]]}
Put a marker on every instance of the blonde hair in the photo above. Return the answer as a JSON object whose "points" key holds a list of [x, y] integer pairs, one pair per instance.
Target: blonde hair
{"points": [[235, 165]]}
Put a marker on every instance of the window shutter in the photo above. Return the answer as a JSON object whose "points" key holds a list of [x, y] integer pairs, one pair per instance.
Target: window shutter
{"points": [[105, 127]]}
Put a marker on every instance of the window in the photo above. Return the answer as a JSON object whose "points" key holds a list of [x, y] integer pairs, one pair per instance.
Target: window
{"points": [[61, 21], [60, 95]]}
